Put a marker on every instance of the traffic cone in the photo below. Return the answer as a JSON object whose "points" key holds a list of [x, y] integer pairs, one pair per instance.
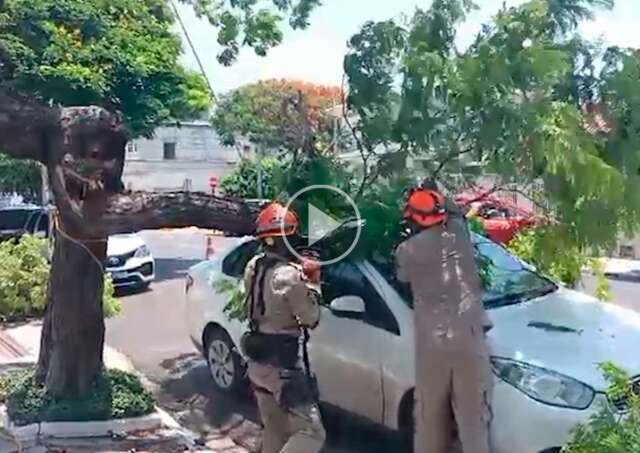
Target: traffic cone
{"points": [[209, 251]]}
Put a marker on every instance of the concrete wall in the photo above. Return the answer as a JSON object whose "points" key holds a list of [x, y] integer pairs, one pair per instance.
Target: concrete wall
{"points": [[196, 141], [199, 155], [166, 175], [628, 248]]}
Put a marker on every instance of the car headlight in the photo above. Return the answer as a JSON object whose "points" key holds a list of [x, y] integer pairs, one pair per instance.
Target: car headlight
{"points": [[142, 251], [544, 385]]}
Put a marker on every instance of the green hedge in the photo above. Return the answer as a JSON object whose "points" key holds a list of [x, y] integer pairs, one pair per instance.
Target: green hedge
{"points": [[115, 394], [24, 272]]}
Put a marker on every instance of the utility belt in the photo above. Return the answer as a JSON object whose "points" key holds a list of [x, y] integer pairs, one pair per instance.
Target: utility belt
{"points": [[300, 386], [278, 350]]}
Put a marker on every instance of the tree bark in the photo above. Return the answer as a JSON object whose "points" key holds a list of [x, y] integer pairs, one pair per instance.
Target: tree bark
{"points": [[148, 210], [72, 341]]}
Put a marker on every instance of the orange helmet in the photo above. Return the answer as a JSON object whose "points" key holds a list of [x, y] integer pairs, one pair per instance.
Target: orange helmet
{"points": [[425, 207], [276, 220]]}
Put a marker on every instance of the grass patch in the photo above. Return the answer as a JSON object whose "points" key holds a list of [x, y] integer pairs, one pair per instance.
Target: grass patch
{"points": [[115, 394]]}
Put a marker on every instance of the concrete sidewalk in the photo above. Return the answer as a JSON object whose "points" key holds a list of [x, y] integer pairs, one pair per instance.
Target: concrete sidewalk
{"points": [[19, 347], [20, 344]]}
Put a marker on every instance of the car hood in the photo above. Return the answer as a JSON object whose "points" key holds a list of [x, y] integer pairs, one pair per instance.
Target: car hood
{"points": [[568, 332], [121, 244]]}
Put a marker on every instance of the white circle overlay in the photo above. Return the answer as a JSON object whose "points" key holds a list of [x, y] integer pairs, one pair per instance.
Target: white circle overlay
{"points": [[355, 209]]}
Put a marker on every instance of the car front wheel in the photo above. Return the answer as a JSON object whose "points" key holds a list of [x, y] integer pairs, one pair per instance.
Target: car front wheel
{"points": [[224, 363]]}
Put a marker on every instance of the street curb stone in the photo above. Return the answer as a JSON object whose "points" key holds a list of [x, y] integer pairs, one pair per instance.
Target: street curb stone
{"points": [[65, 430]]}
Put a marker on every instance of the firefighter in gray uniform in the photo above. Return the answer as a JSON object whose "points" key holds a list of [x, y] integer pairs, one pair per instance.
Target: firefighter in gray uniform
{"points": [[453, 373], [283, 303]]}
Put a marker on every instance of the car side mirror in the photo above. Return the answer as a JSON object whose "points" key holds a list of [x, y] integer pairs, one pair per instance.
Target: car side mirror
{"points": [[353, 305]]}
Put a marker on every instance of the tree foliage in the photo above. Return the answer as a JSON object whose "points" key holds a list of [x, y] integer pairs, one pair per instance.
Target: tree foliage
{"points": [[526, 101], [268, 114], [610, 431], [19, 176], [119, 54], [251, 23], [243, 181]]}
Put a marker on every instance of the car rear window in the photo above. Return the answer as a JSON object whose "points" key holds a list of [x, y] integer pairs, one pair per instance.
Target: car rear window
{"points": [[14, 219]]}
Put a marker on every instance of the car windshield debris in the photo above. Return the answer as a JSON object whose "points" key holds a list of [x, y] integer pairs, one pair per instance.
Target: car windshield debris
{"points": [[553, 327]]}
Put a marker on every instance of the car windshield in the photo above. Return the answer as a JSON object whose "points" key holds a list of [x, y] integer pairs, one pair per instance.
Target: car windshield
{"points": [[506, 279]]}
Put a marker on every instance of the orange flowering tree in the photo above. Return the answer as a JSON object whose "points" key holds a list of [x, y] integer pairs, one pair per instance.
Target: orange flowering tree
{"points": [[279, 115]]}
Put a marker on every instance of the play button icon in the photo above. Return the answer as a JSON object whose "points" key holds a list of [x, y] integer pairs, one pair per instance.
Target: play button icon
{"points": [[320, 224]]}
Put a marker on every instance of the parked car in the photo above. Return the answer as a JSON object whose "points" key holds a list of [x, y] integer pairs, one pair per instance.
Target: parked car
{"points": [[17, 220], [546, 345], [620, 268], [502, 220], [129, 261]]}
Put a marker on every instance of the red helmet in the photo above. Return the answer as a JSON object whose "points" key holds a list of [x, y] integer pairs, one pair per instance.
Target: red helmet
{"points": [[276, 220], [425, 207]]}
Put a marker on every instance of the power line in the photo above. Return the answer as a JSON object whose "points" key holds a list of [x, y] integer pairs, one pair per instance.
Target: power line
{"points": [[193, 49]]}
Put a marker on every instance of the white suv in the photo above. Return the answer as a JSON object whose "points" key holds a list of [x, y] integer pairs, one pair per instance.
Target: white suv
{"points": [[129, 261]]}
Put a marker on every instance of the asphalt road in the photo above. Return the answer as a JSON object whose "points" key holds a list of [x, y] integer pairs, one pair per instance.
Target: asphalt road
{"points": [[152, 332]]}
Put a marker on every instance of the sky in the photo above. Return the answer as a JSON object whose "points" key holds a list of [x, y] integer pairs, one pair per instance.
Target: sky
{"points": [[315, 54]]}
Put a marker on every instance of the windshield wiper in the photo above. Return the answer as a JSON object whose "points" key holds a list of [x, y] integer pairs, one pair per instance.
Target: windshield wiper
{"points": [[523, 296]]}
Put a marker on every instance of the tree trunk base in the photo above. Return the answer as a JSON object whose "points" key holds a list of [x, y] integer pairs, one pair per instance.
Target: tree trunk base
{"points": [[72, 340]]}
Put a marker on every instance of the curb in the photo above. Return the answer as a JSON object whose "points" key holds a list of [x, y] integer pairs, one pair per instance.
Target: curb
{"points": [[65, 430]]}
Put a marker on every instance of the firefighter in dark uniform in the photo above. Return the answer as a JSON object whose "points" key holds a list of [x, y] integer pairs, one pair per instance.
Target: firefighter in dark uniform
{"points": [[283, 303], [453, 372]]}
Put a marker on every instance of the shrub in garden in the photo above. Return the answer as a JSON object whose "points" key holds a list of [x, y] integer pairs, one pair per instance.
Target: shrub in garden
{"points": [[24, 272], [115, 394], [23, 277]]}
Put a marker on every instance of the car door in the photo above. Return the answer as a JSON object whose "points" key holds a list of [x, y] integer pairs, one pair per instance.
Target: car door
{"points": [[347, 349]]}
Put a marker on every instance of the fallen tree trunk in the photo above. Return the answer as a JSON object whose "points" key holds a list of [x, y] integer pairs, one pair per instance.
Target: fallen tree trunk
{"points": [[149, 210]]}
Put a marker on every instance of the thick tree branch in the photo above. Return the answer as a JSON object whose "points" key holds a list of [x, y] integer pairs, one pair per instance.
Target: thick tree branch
{"points": [[25, 127], [147, 210], [30, 130]]}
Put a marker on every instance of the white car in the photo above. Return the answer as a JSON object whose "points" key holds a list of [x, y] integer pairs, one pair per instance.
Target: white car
{"points": [[621, 268], [129, 261], [546, 345]]}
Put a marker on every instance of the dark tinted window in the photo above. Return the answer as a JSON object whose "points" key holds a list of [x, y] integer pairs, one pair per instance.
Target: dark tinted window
{"points": [[32, 222], [169, 151], [14, 219], [346, 279], [235, 262], [43, 225]]}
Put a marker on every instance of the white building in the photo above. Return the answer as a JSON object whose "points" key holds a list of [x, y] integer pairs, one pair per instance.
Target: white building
{"points": [[182, 156]]}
